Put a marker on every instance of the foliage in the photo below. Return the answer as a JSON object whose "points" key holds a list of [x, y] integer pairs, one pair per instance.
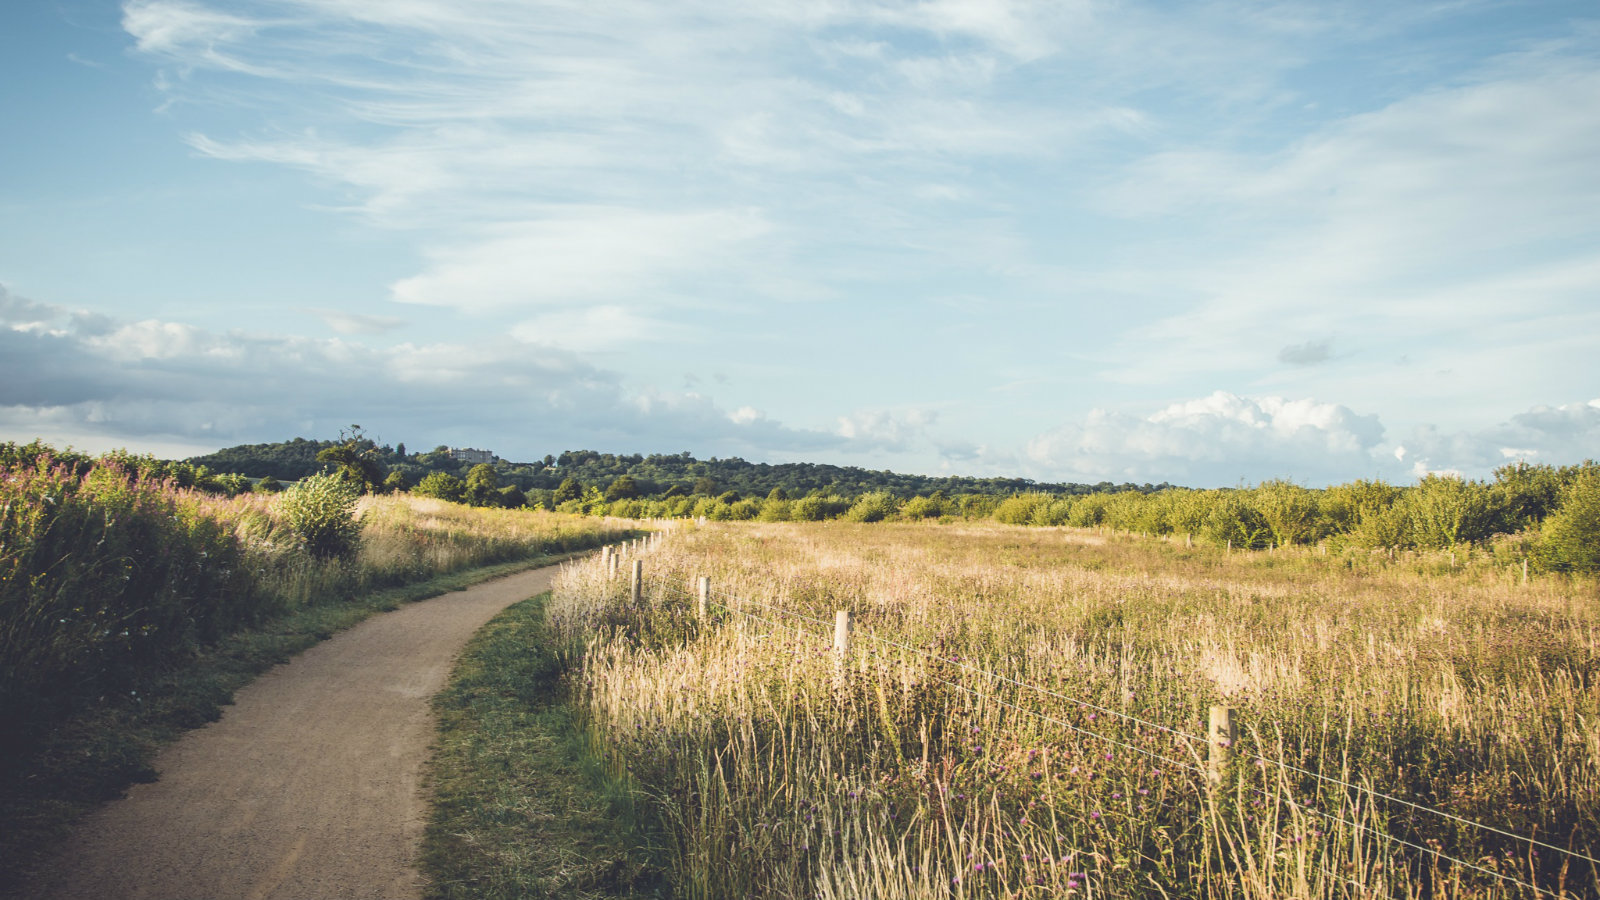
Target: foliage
{"points": [[570, 489], [482, 486], [321, 509], [440, 485], [1570, 540], [102, 574], [356, 458], [622, 488], [1444, 511]]}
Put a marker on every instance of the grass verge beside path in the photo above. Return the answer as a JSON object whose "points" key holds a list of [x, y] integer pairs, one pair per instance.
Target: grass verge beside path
{"points": [[516, 812], [98, 755]]}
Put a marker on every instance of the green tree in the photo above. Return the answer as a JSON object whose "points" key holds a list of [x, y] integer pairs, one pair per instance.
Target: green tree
{"points": [[357, 459], [778, 493], [623, 488], [1526, 494], [569, 489], [1289, 510], [512, 497], [442, 485], [706, 485], [268, 485], [1443, 511], [483, 485], [396, 482], [1570, 539]]}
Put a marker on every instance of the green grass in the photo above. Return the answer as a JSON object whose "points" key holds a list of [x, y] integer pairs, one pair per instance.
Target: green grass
{"points": [[519, 811], [98, 754]]}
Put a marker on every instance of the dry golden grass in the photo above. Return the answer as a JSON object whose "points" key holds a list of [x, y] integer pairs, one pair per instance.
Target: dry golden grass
{"points": [[1035, 733]]}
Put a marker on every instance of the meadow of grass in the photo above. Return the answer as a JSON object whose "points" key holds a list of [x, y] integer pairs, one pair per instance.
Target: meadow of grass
{"points": [[1023, 714]]}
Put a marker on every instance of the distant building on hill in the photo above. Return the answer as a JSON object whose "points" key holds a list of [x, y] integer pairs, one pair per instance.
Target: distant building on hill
{"points": [[469, 455]]}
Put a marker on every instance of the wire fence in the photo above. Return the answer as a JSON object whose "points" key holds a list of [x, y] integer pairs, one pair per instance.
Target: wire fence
{"points": [[741, 606]]}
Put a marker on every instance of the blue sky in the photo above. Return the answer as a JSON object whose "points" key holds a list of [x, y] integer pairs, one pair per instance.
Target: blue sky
{"points": [[1202, 242]]}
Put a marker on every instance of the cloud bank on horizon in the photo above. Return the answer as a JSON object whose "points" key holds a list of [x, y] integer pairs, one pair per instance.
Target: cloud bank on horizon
{"points": [[1078, 241]]}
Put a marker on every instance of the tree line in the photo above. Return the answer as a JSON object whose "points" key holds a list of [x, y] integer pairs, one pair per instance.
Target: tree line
{"points": [[1550, 513]]}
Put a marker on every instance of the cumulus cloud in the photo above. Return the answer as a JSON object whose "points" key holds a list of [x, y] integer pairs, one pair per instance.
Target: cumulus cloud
{"points": [[885, 429], [1224, 438], [1559, 435], [1220, 439], [66, 376]]}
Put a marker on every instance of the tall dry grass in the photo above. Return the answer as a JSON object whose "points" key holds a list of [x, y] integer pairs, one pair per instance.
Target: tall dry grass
{"points": [[1038, 730]]}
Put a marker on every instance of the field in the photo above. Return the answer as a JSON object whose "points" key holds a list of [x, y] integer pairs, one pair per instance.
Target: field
{"points": [[1023, 713]]}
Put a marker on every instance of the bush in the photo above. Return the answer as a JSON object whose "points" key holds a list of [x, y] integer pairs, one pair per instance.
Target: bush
{"points": [[321, 509], [924, 508], [441, 485], [103, 575], [1018, 509], [1444, 511], [873, 507], [1289, 510], [1570, 541]]}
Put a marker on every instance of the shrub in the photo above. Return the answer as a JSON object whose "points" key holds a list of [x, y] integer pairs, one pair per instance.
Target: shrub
{"points": [[1445, 510], [1018, 509], [321, 509], [1289, 510], [441, 485], [923, 508], [873, 507], [1571, 537]]}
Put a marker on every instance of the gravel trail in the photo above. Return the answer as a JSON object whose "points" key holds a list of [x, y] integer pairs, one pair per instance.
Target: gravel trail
{"points": [[307, 787]]}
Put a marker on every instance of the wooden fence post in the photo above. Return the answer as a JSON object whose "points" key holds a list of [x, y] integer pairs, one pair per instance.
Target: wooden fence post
{"points": [[704, 591], [637, 584], [841, 645], [1220, 741], [1524, 570]]}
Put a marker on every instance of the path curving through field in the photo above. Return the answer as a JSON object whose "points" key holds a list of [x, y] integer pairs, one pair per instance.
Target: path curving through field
{"points": [[307, 787]]}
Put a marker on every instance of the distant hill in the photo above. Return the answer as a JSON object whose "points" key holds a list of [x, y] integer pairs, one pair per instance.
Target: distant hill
{"points": [[654, 475]]}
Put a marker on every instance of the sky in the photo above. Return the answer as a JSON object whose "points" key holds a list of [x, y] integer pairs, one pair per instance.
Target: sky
{"points": [[1202, 243]]}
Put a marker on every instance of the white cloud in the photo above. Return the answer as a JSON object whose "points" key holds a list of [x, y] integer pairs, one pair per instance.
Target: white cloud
{"points": [[1215, 440], [895, 431], [1559, 435], [153, 383], [578, 256]]}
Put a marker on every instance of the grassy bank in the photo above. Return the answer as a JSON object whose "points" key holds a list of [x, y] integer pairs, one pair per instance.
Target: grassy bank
{"points": [[131, 608], [516, 813], [95, 756], [1036, 728]]}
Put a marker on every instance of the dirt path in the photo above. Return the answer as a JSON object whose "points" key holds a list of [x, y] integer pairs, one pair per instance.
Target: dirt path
{"points": [[307, 787]]}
